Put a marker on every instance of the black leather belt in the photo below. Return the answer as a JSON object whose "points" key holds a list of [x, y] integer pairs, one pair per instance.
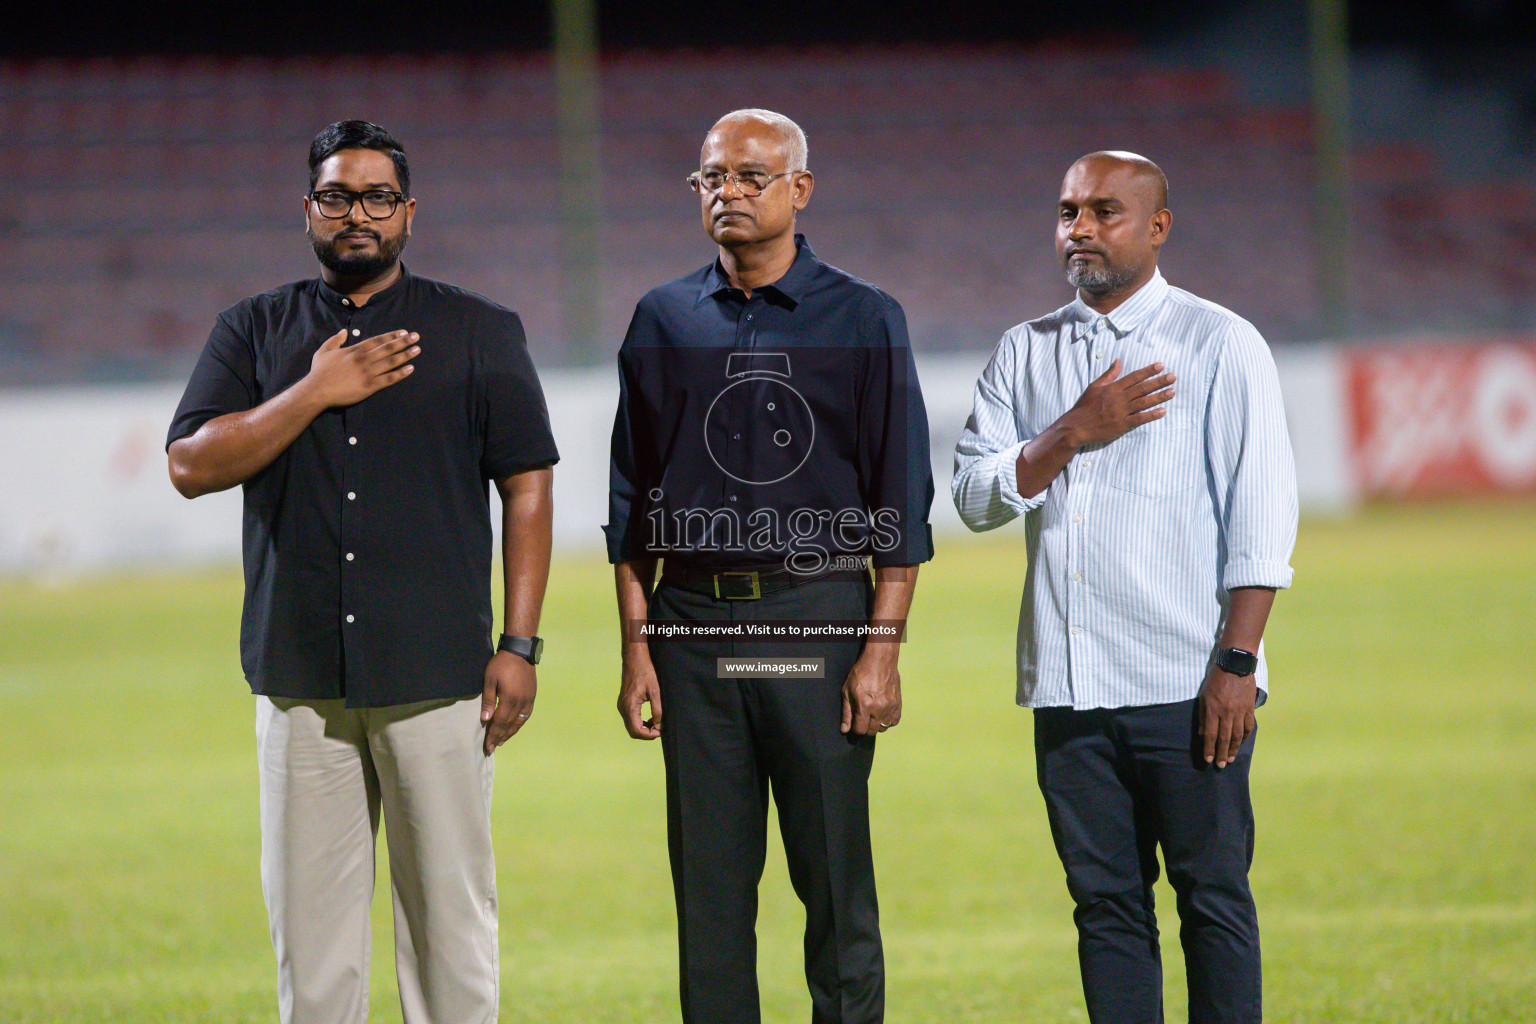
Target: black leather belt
{"points": [[750, 584]]}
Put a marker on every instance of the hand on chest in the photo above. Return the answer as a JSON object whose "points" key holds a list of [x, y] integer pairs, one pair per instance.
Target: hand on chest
{"points": [[1155, 459]]}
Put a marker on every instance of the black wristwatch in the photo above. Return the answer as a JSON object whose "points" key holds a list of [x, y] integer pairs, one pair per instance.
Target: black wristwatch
{"points": [[1236, 661], [529, 648]]}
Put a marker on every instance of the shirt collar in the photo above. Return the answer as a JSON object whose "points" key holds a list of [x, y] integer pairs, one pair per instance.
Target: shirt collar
{"points": [[334, 298], [792, 286], [1125, 317]]}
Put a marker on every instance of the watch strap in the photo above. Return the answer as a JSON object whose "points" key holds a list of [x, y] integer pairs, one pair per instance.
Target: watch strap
{"points": [[529, 648], [1236, 661]]}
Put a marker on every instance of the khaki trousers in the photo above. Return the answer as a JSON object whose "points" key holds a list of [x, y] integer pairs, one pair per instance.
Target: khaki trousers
{"points": [[326, 772]]}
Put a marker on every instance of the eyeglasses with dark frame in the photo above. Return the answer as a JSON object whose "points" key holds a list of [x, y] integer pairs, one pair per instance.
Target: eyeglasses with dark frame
{"points": [[336, 203], [751, 183]]}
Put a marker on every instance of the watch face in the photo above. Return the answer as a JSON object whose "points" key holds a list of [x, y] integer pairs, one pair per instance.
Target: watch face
{"points": [[1236, 661], [538, 650]]}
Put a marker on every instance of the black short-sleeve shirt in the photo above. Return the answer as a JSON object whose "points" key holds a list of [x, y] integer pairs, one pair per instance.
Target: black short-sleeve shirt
{"points": [[367, 542]]}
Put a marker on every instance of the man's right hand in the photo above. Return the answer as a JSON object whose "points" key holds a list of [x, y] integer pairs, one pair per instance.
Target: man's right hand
{"points": [[346, 374], [639, 686], [230, 449], [1112, 405]]}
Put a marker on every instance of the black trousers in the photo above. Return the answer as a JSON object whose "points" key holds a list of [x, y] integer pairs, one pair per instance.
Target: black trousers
{"points": [[1118, 784], [726, 743]]}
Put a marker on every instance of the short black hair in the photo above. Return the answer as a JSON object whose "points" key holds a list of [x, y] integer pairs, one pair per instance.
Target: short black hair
{"points": [[357, 135]]}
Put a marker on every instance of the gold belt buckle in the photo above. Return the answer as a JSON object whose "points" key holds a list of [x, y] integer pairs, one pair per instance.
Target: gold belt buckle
{"points": [[751, 576]]}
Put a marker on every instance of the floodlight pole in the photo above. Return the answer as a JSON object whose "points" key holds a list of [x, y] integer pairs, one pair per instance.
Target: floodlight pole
{"points": [[577, 126], [1329, 39]]}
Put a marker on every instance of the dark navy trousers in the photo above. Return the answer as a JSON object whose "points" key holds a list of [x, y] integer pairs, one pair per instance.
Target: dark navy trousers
{"points": [[1119, 784], [727, 743]]}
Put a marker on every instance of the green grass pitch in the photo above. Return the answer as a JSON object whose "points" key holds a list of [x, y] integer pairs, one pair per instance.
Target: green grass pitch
{"points": [[1395, 788]]}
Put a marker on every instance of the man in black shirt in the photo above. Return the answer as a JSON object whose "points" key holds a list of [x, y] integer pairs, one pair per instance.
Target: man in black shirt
{"points": [[770, 441], [364, 413]]}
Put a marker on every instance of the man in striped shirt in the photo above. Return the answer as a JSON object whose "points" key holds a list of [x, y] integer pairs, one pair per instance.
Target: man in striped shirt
{"points": [[1159, 513]]}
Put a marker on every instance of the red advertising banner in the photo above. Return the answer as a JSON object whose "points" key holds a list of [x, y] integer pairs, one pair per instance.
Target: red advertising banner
{"points": [[1437, 419]]}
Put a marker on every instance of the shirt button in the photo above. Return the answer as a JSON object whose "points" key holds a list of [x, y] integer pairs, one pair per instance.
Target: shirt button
{"points": [[732, 498], [1086, 462], [749, 316], [356, 332], [349, 556], [351, 495], [1077, 518], [346, 302], [736, 436], [350, 619], [1075, 629], [351, 440], [1099, 356], [1077, 577]]}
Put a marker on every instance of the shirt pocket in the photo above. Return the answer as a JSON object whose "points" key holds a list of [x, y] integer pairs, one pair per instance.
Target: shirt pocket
{"points": [[1157, 463]]}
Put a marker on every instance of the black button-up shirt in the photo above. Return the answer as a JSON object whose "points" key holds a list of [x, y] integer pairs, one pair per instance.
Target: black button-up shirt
{"points": [[784, 427], [367, 542]]}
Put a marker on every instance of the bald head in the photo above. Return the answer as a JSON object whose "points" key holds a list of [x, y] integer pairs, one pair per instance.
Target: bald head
{"points": [[1111, 221], [1146, 177], [789, 134]]}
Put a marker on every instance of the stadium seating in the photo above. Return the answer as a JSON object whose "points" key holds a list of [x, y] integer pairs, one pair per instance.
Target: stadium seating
{"points": [[143, 195]]}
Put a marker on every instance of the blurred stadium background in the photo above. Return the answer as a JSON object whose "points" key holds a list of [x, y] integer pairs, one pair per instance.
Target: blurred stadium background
{"points": [[1358, 181]]}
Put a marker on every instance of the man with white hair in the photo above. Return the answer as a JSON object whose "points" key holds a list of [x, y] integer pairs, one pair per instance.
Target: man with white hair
{"points": [[770, 444]]}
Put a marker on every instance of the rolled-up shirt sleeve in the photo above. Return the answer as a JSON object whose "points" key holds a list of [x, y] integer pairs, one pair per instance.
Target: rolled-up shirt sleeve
{"points": [[1250, 459], [985, 487]]}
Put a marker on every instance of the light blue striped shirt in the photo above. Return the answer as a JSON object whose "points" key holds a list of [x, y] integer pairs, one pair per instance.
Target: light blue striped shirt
{"points": [[1134, 546]]}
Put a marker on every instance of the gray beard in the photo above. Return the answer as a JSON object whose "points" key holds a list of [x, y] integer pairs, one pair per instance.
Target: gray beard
{"points": [[1098, 280]]}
